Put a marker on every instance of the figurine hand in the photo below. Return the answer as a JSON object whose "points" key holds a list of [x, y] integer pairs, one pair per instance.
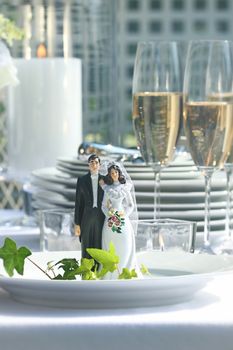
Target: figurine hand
{"points": [[77, 230], [101, 182]]}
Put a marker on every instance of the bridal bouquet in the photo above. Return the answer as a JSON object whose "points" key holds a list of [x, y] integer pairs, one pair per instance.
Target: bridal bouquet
{"points": [[116, 220], [8, 32]]}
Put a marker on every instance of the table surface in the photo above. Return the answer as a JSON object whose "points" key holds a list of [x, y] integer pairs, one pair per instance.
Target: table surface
{"points": [[205, 322]]}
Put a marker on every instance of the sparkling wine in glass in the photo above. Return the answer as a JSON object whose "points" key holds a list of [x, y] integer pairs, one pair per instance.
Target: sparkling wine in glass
{"points": [[226, 245], [157, 105], [208, 120]]}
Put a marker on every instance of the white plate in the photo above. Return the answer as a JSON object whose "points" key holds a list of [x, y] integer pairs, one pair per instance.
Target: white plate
{"points": [[40, 204], [74, 173], [176, 277], [215, 223], [132, 168], [76, 169], [42, 185], [142, 197], [165, 175], [77, 164], [181, 185], [139, 170], [139, 173], [181, 206], [194, 196], [54, 198], [179, 161], [193, 215], [54, 175], [72, 161]]}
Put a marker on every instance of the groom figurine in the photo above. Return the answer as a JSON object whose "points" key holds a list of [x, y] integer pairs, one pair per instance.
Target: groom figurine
{"points": [[89, 217]]}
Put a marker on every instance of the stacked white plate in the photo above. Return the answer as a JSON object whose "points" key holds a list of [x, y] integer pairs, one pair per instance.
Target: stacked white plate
{"points": [[182, 190]]}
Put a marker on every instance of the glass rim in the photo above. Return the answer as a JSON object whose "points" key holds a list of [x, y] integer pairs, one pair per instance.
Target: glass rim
{"points": [[165, 41], [165, 221], [56, 211], [210, 41]]}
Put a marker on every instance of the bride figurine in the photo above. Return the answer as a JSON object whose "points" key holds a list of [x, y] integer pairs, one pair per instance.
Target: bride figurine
{"points": [[119, 206]]}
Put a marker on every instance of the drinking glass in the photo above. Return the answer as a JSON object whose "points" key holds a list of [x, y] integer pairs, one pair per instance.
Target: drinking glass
{"points": [[57, 230], [166, 234], [226, 246], [208, 118], [157, 105]]}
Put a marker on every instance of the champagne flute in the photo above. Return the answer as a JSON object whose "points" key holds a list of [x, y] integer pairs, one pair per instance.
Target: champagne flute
{"points": [[226, 246], [157, 105], [208, 120]]}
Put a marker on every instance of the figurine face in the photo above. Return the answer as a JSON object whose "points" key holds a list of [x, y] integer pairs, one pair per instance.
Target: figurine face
{"points": [[114, 174], [94, 166]]}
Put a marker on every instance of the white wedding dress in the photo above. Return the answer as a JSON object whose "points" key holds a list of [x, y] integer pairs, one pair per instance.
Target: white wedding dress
{"points": [[118, 197]]}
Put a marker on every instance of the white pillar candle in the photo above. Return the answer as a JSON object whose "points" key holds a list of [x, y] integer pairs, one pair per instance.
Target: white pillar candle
{"points": [[44, 113]]}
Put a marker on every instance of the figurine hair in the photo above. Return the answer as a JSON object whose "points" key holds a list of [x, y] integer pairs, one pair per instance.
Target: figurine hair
{"points": [[93, 157], [108, 179]]}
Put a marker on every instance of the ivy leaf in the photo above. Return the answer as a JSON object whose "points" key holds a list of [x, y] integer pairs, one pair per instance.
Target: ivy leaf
{"points": [[85, 269], [89, 275], [86, 265], [13, 258], [69, 267], [104, 257], [144, 270], [127, 274], [107, 259], [67, 264], [58, 277], [103, 271], [50, 265]]}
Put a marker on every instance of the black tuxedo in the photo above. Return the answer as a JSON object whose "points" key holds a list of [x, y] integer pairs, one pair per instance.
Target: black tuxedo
{"points": [[90, 219]]}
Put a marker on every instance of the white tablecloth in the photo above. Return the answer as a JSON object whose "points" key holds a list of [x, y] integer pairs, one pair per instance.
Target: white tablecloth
{"points": [[22, 235], [204, 323]]}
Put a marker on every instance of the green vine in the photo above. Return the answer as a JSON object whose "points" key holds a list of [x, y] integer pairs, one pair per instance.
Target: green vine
{"points": [[14, 260]]}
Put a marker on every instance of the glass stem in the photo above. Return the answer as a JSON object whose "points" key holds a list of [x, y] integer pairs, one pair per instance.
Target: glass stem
{"points": [[157, 194], [207, 175], [228, 202]]}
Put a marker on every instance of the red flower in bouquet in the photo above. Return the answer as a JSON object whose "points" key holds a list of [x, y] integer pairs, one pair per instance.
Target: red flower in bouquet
{"points": [[116, 220]]}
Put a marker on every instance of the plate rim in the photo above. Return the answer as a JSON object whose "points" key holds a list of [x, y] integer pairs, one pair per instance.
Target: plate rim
{"points": [[23, 289]]}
